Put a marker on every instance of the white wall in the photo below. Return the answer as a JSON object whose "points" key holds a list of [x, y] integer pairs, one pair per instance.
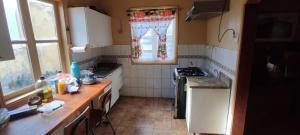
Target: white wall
{"points": [[152, 80], [224, 60]]}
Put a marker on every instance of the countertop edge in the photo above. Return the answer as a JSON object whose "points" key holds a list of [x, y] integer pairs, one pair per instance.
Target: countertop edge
{"points": [[208, 87]]}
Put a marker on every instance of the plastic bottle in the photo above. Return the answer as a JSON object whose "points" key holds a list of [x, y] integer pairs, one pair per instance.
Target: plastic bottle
{"points": [[41, 83], [61, 88], [75, 71]]}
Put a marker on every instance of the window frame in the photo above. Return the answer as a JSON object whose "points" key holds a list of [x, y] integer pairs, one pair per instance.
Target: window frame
{"points": [[31, 44], [159, 62]]}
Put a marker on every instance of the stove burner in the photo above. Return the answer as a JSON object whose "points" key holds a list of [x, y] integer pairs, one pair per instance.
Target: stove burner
{"points": [[190, 71]]}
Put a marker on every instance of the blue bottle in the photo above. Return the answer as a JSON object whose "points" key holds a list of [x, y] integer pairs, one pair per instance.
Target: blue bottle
{"points": [[75, 71]]}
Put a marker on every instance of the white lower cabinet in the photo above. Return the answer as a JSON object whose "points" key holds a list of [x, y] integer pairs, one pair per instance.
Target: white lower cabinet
{"points": [[117, 83], [207, 110]]}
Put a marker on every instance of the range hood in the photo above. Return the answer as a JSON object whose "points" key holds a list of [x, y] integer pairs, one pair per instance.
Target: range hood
{"points": [[204, 9]]}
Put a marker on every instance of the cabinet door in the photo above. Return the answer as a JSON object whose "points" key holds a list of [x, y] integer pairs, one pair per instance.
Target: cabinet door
{"points": [[99, 28], [115, 93], [107, 34], [6, 50], [95, 27], [113, 88], [188, 108], [78, 26]]}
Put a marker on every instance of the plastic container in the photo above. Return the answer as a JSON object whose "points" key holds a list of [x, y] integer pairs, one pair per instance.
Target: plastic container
{"points": [[48, 97], [53, 84], [42, 83], [61, 88], [75, 70]]}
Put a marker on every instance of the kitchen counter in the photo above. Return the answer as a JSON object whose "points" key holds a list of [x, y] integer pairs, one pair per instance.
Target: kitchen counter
{"points": [[42, 124], [104, 69], [206, 82]]}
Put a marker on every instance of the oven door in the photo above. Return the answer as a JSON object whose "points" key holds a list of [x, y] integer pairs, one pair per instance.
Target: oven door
{"points": [[176, 98], [175, 80]]}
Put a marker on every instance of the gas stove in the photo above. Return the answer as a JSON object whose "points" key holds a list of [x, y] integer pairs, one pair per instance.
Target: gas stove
{"points": [[190, 71], [179, 81]]}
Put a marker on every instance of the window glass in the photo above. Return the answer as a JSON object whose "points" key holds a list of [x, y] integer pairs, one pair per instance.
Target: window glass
{"points": [[14, 19], [43, 20], [49, 58], [17, 73], [149, 44], [171, 41]]}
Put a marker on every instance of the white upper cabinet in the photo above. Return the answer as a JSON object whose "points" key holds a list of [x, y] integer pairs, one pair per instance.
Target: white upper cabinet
{"points": [[6, 50], [90, 27]]}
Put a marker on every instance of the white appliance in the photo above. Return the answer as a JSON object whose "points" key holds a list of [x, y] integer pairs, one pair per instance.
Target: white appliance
{"points": [[207, 105]]}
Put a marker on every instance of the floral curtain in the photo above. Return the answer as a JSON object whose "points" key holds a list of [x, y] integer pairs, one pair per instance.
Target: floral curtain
{"points": [[138, 30], [143, 20]]}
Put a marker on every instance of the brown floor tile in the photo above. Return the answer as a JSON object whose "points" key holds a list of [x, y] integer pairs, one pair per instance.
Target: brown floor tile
{"points": [[143, 131], [144, 116], [164, 124], [164, 132], [125, 131]]}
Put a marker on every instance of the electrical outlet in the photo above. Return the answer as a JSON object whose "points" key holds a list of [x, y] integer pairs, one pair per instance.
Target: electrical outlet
{"points": [[236, 37]]}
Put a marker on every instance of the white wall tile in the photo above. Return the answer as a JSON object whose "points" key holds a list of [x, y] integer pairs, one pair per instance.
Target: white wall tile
{"points": [[166, 73], [171, 93], [157, 83], [165, 92], [166, 83], [125, 91], [150, 83], [149, 73], [141, 83], [155, 80], [181, 50], [157, 92], [134, 91], [142, 92], [133, 82], [192, 50], [126, 82], [201, 50], [157, 73], [149, 92]]}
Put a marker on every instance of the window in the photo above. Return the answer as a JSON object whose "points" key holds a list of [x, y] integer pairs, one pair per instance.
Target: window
{"points": [[33, 30], [153, 36]]}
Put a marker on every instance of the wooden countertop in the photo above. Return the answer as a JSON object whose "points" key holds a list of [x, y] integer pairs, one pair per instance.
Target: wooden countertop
{"points": [[41, 124]]}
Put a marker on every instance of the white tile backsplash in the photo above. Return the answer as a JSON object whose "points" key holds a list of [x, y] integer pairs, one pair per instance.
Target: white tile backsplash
{"points": [[156, 80], [226, 57], [149, 92], [152, 80], [157, 92]]}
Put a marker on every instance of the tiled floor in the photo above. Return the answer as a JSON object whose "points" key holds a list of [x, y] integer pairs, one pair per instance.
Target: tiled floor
{"points": [[144, 116]]}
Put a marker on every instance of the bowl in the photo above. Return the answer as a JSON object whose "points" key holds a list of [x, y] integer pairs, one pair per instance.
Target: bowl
{"points": [[36, 100]]}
